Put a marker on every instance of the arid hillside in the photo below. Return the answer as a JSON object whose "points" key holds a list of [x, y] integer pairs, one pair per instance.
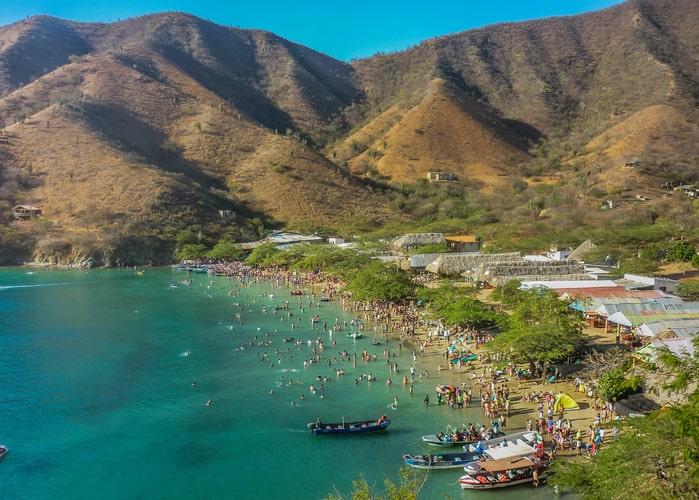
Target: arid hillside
{"points": [[128, 135]]}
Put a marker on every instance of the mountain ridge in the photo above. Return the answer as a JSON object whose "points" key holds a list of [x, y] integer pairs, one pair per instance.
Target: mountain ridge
{"points": [[150, 127]]}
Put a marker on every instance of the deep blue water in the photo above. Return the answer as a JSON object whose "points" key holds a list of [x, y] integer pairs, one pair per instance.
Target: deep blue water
{"points": [[97, 397]]}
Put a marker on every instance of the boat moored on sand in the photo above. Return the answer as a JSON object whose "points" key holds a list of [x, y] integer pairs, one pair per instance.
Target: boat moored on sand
{"points": [[466, 435], [490, 474], [512, 445]]}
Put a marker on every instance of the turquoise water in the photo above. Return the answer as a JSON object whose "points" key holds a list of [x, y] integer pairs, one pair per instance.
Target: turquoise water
{"points": [[97, 397]]}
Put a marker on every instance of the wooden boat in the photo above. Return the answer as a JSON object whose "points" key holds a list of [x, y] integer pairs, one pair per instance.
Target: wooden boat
{"points": [[501, 473], [527, 437], [442, 461], [343, 427], [513, 445], [453, 436], [3, 450]]}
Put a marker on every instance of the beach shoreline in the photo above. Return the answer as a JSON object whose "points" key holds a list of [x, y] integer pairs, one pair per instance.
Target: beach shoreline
{"points": [[403, 328]]}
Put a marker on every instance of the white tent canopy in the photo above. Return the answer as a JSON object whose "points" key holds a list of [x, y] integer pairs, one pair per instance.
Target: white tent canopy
{"points": [[620, 319]]}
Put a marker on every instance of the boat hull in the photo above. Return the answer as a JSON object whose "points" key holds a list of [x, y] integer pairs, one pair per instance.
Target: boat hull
{"points": [[471, 484], [445, 461], [349, 427]]}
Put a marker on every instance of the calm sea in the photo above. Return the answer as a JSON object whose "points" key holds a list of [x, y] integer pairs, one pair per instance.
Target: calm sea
{"points": [[105, 376]]}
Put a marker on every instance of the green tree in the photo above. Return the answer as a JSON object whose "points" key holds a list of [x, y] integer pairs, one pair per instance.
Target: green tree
{"points": [[320, 257], [688, 290], [192, 252], [540, 329], [408, 488], [682, 251], [378, 280], [347, 267], [614, 384], [458, 306], [226, 250], [262, 255]]}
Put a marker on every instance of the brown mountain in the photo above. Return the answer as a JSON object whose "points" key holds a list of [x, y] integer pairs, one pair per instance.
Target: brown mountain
{"points": [[127, 134]]}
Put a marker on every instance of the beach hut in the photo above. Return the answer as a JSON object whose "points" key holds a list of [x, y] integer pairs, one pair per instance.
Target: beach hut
{"points": [[466, 264], [409, 242], [564, 402], [498, 274]]}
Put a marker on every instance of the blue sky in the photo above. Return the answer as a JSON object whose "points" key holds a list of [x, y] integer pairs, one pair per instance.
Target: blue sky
{"points": [[344, 30]]}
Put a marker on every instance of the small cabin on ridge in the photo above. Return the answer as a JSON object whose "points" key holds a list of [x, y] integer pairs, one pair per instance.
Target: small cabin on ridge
{"points": [[22, 212]]}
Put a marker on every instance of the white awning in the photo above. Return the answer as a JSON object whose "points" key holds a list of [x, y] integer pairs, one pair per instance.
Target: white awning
{"points": [[620, 319]]}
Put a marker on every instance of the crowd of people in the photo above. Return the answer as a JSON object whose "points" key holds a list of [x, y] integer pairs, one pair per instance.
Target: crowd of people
{"points": [[484, 379]]}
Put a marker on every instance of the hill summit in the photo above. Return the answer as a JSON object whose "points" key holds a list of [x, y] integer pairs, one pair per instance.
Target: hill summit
{"points": [[129, 136]]}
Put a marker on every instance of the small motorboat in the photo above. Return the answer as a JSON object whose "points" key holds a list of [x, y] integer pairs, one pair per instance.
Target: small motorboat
{"points": [[502, 473], [343, 427], [3, 450], [499, 449]]}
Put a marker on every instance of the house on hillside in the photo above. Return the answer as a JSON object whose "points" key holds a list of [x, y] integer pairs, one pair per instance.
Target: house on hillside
{"points": [[689, 190], [441, 176], [558, 253], [468, 243], [23, 212], [636, 282]]}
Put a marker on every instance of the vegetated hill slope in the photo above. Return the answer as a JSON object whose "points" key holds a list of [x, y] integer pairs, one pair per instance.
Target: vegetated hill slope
{"points": [[566, 79], [148, 138], [146, 126], [447, 131]]}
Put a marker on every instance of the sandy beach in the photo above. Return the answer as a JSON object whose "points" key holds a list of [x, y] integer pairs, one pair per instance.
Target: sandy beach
{"points": [[520, 409]]}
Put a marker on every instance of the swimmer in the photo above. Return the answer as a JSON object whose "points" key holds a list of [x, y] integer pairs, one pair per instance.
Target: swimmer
{"points": [[194, 384], [208, 403]]}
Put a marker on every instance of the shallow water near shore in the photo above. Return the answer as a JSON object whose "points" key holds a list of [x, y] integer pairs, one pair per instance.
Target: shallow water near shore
{"points": [[105, 376]]}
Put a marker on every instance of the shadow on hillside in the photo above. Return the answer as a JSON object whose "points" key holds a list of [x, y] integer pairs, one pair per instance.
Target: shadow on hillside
{"points": [[229, 87], [143, 142], [522, 129]]}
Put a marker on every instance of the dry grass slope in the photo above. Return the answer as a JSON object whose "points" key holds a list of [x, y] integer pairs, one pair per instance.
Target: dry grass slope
{"points": [[154, 124]]}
